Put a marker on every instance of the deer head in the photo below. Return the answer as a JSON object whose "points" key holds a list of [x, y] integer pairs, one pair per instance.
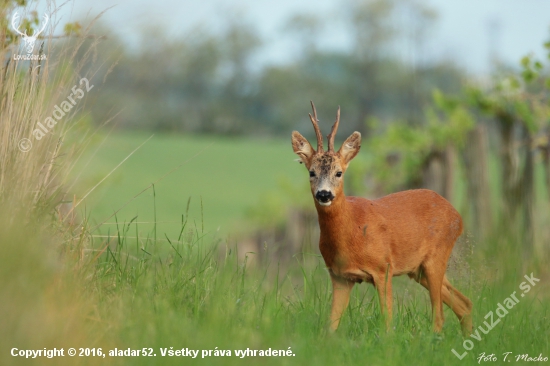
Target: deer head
{"points": [[326, 168], [29, 40]]}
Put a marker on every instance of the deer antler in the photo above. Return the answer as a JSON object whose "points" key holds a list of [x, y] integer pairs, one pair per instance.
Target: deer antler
{"points": [[46, 18], [315, 121], [13, 20], [333, 131]]}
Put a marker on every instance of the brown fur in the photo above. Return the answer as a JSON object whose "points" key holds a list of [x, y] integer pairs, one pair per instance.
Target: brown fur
{"points": [[411, 232]]}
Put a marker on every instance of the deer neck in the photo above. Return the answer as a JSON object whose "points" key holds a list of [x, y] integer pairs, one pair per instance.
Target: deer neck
{"points": [[333, 219]]}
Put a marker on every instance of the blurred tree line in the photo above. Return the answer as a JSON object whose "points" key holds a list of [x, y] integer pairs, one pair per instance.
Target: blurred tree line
{"points": [[209, 82]]}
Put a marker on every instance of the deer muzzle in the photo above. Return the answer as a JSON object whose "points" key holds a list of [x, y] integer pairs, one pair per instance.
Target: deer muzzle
{"points": [[324, 197]]}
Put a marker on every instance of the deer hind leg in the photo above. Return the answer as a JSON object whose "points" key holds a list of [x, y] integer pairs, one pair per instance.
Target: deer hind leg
{"points": [[420, 277], [431, 277], [341, 289], [460, 304], [383, 283], [456, 301]]}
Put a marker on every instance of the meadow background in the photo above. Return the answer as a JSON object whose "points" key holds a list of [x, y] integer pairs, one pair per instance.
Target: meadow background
{"points": [[165, 209]]}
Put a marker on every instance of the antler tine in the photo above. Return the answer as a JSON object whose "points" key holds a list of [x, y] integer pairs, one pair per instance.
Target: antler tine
{"points": [[315, 121], [16, 28], [333, 131], [46, 18]]}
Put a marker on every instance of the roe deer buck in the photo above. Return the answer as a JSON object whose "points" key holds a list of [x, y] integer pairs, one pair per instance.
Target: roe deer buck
{"points": [[411, 232]]}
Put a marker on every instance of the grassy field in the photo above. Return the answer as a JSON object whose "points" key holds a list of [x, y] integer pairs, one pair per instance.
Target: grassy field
{"points": [[127, 296], [193, 293], [189, 290], [223, 177]]}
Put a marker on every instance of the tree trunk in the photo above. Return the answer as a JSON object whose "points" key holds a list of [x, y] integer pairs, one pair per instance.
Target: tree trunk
{"points": [[438, 172], [450, 160], [527, 192], [509, 165], [517, 181], [545, 151], [475, 161]]}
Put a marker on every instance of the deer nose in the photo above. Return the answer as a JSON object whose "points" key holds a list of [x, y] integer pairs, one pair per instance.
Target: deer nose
{"points": [[324, 196]]}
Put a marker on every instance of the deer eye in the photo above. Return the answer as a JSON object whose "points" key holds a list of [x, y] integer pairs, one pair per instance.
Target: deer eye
{"points": [[338, 174], [311, 173]]}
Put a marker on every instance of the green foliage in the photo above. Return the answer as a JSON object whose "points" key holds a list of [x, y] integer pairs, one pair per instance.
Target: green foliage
{"points": [[517, 97], [74, 28], [25, 24], [401, 151], [520, 97]]}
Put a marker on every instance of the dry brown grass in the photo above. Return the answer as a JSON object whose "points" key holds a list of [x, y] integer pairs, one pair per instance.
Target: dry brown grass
{"points": [[29, 91], [43, 306]]}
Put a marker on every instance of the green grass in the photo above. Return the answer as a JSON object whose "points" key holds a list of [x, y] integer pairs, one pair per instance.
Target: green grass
{"points": [[225, 176], [192, 295], [193, 292], [189, 289]]}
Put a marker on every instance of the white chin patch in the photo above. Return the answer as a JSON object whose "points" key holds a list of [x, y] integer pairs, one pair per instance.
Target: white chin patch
{"points": [[325, 203]]}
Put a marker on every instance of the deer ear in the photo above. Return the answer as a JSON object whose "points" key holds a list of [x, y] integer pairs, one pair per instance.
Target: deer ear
{"points": [[351, 147], [302, 148]]}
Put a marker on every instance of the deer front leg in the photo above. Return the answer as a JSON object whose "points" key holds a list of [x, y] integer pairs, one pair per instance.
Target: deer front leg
{"points": [[341, 289], [383, 284]]}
